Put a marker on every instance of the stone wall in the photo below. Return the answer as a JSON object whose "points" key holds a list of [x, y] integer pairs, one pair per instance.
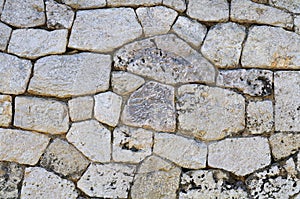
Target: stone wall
{"points": [[149, 99]]}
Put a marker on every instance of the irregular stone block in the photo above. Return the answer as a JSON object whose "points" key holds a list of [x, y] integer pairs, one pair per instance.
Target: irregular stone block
{"points": [[124, 83], [297, 23], [59, 16], [5, 110], [85, 4], [81, 108], [292, 6], [5, 32], [178, 5], [133, 2]]}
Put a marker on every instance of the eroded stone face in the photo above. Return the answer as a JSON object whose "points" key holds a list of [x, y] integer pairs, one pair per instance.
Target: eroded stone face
{"points": [[5, 110], [81, 108], [59, 16], [5, 32], [124, 83], [84, 4]]}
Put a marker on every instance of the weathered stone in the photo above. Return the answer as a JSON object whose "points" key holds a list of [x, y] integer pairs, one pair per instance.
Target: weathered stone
{"points": [[63, 158], [166, 59], [71, 75], [156, 20], [5, 32], [151, 106], [107, 181], [246, 11], [59, 16], [190, 30], [133, 2], [284, 144], [241, 156], [124, 83], [292, 6], [297, 23], [271, 47], [44, 115], [25, 13], [223, 44], [81, 108], [15, 74], [184, 152], [39, 183], [23, 147], [107, 108], [178, 5], [84, 4], [100, 34], [1, 6], [260, 117], [5, 110], [207, 10], [298, 162], [287, 103], [92, 139], [204, 184], [34, 43], [131, 144], [156, 178], [253, 82], [209, 113], [11, 175]]}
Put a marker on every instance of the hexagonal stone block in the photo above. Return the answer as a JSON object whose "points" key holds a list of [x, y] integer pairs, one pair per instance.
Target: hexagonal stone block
{"points": [[81, 108], [124, 83], [5, 110]]}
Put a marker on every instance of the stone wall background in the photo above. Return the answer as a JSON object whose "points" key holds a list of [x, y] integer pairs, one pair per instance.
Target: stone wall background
{"points": [[149, 99]]}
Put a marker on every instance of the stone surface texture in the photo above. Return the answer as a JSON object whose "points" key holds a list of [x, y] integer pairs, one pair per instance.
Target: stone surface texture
{"points": [[84, 4], [292, 6], [58, 16], [133, 2], [5, 110], [124, 83], [5, 32], [81, 108]]}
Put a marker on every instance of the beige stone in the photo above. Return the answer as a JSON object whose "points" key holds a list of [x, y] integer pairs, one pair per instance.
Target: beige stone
{"points": [[178, 5], [59, 16], [81, 108], [133, 2], [5, 110], [85, 4], [5, 32], [124, 83]]}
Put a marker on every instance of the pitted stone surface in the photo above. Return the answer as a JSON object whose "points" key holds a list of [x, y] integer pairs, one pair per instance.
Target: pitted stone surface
{"points": [[5, 32], [23, 147], [131, 145], [84, 4], [107, 181], [133, 2], [81, 108], [71, 75], [292, 6], [184, 152], [92, 139], [5, 110], [39, 183], [241, 156], [44, 115], [209, 113], [166, 59], [178, 5], [124, 83], [223, 44], [59, 16], [144, 108], [100, 34]]}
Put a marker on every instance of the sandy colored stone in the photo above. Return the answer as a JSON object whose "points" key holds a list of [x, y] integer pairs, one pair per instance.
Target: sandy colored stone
{"points": [[15, 74], [34, 43], [297, 25], [85, 4], [184, 152], [124, 83], [131, 145], [241, 156], [25, 13], [151, 106], [133, 2], [100, 34], [178, 5], [190, 30], [59, 16], [108, 108], [44, 115], [108, 180], [81, 108], [5, 32], [166, 59], [209, 113], [5, 110], [92, 139], [156, 178], [39, 183], [287, 103], [71, 75], [253, 82], [271, 47], [156, 20], [23, 147], [290, 5]]}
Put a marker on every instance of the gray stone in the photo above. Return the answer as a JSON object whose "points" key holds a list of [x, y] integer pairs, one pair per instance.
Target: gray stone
{"points": [[297, 23], [71, 75], [92, 139], [246, 11], [81, 108], [156, 20], [184, 152], [178, 5], [34, 43], [59, 16], [5, 110], [1, 6], [241, 156], [209, 113], [292, 6], [44, 115], [107, 180], [133, 2], [15, 74], [124, 83], [5, 32], [23, 147], [100, 34], [25, 13], [131, 145], [108, 108], [190, 30], [271, 47], [39, 183], [287, 103], [166, 59], [156, 178], [253, 82], [85, 4], [207, 10], [151, 106]]}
